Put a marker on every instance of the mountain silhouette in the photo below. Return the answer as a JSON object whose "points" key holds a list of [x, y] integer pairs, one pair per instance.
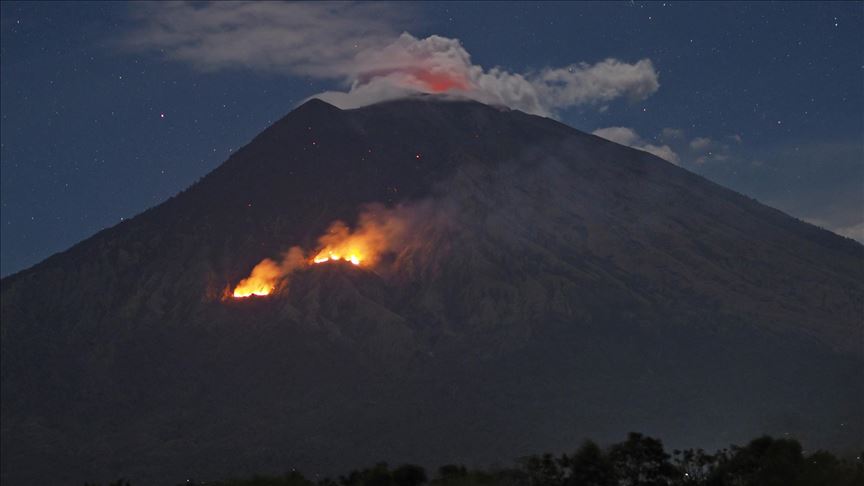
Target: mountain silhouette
{"points": [[550, 286]]}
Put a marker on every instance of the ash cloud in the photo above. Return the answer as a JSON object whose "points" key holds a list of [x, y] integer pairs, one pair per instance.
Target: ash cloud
{"points": [[441, 65], [358, 45]]}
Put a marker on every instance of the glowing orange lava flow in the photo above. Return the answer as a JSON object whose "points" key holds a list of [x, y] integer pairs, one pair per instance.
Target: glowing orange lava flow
{"points": [[377, 232], [243, 291], [360, 247], [262, 281], [327, 256]]}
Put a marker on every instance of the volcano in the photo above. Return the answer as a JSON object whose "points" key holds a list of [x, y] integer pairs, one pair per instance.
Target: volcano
{"points": [[547, 286]]}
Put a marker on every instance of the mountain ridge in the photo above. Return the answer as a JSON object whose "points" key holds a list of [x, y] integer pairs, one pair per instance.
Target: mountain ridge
{"points": [[552, 285], [851, 245]]}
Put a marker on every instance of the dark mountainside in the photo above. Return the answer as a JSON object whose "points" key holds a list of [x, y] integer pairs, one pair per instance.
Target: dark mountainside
{"points": [[563, 287]]}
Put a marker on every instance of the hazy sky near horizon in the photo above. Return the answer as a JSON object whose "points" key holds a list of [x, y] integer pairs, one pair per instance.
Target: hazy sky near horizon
{"points": [[111, 108]]}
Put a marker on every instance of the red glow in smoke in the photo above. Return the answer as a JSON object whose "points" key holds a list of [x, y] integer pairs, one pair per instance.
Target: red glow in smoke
{"points": [[440, 82], [429, 81]]}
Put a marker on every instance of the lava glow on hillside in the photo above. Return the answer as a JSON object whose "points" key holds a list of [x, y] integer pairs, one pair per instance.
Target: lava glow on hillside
{"points": [[379, 230], [330, 256], [262, 281], [267, 276], [363, 246]]}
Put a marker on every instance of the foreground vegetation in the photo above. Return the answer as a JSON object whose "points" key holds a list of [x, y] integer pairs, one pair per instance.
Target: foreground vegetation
{"points": [[638, 461]]}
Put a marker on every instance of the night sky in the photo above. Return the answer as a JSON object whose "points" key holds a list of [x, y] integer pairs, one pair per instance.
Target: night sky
{"points": [[109, 108]]}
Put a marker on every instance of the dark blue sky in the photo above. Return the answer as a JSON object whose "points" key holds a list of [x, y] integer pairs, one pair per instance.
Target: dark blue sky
{"points": [[98, 124]]}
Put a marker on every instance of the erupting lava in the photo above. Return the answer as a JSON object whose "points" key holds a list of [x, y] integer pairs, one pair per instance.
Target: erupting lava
{"points": [[326, 256], [379, 230], [262, 281], [338, 244], [248, 290], [361, 247]]}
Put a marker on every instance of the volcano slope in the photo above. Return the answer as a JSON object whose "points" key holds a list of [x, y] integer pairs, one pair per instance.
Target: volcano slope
{"points": [[554, 286]]}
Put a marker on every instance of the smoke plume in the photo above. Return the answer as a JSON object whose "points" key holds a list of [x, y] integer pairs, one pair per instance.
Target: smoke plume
{"points": [[358, 45]]}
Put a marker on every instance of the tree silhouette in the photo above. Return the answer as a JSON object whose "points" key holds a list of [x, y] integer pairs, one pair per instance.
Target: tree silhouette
{"points": [[589, 466], [695, 466], [409, 475], [637, 461], [543, 470], [763, 462], [375, 476], [641, 461]]}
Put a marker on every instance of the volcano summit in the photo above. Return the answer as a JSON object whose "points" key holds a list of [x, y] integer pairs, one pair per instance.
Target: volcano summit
{"points": [[531, 285]]}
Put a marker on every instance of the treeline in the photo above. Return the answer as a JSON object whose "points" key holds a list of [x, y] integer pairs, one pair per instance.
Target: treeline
{"points": [[637, 461]]}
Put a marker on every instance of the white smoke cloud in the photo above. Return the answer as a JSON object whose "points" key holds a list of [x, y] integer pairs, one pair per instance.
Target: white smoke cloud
{"points": [[629, 137], [672, 134], [701, 143], [438, 64], [356, 43], [317, 39]]}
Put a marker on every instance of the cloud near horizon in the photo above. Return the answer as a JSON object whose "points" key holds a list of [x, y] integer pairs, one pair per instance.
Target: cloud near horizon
{"points": [[357, 45], [629, 137]]}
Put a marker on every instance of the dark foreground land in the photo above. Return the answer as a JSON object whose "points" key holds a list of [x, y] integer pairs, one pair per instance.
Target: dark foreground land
{"points": [[638, 461]]}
